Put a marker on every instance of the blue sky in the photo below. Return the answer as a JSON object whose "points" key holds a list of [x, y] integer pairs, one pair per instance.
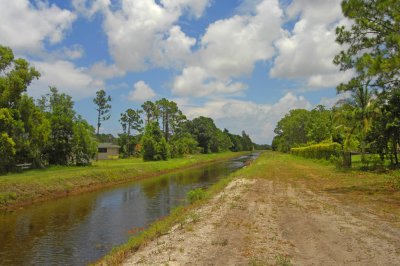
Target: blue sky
{"points": [[245, 63]]}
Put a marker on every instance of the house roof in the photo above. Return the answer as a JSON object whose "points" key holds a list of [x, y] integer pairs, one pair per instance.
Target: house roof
{"points": [[107, 145]]}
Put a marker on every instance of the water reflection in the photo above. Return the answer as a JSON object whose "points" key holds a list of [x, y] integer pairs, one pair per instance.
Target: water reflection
{"points": [[81, 229]]}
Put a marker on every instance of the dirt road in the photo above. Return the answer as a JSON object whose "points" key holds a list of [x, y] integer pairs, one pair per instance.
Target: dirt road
{"points": [[267, 222]]}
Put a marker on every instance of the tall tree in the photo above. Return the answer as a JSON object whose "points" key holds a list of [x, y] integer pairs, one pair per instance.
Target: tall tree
{"points": [[359, 111], [154, 145], [292, 130], [17, 111], [60, 112], [163, 106], [320, 126], [372, 43], [372, 52], [7, 144], [103, 107], [130, 120], [71, 139], [171, 117], [83, 146], [151, 111], [203, 129], [15, 77], [36, 132], [384, 135]]}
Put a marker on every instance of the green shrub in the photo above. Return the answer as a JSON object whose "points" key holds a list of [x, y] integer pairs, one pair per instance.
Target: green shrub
{"points": [[196, 194], [154, 145], [318, 151]]}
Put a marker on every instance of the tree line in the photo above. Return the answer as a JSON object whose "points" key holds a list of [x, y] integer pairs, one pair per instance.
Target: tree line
{"points": [[369, 120], [160, 130], [48, 131], [43, 132]]}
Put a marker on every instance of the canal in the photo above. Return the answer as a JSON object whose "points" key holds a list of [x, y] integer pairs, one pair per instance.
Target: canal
{"points": [[81, 229]]}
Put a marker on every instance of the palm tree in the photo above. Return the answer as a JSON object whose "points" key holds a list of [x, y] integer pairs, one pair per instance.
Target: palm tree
{"points": [[358, 111]]}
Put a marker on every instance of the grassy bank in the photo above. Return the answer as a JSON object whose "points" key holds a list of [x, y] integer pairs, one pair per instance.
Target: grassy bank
{"points": [[36, 185], [377, 191]]}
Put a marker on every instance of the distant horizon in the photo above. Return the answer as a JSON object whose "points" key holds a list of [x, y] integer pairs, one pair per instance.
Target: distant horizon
{"points": [[243, 63]]}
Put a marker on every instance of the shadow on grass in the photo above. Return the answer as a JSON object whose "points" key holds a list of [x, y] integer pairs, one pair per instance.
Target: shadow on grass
{"points": [[372, 189]]}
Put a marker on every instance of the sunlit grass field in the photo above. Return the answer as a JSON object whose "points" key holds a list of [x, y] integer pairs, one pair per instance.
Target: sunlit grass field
{"points": [[380, 191], [356, 160]]}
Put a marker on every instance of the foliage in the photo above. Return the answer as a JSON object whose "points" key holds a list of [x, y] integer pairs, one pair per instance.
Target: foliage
{"points": [[203, 130], [171, 117], [151, 111], [71, 140], [261, 147], [109, 138], [15, 77], [103, 107], [36, 132], [154, 145], [301, 126], [220, 141], [183, 144], [318, 151], [23, 128], [196, 194], [384, 136], [130, 120], [7, 149], [373, 52], [59, 111], [239, 143], [372, 43], [84, 147]]}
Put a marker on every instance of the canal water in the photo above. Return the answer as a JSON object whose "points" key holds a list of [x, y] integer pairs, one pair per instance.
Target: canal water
{"points": [[81, 229]]}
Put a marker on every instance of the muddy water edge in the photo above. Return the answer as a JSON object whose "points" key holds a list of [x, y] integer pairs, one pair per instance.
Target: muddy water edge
{"points": [[80, 229]]}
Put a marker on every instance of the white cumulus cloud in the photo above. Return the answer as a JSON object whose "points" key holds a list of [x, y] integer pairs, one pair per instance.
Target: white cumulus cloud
{"points": [[144, 33], [307, 51], [102, 70], [141, 92], [195, 81], [258, 120], [25, 26], [68, 78], [229, 49]]}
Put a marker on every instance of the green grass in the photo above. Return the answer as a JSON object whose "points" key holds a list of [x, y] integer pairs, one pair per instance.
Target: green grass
{"points": [[372, 159], [34, 185], [379, 191], [196, 194]]}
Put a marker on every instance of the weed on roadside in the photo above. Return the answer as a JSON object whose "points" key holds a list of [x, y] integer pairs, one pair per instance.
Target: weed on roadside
{"points": [[194, 217], [282, 260], [258, 262]]}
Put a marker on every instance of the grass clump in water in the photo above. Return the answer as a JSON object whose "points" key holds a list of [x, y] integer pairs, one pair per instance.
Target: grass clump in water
{"points": [[196, 194]]}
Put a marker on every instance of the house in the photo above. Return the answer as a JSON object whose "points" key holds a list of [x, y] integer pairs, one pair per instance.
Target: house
{"points": [[107, 151]]}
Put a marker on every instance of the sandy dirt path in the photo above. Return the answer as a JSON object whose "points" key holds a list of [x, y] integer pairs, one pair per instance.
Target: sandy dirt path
{"points": [[266, 222]]}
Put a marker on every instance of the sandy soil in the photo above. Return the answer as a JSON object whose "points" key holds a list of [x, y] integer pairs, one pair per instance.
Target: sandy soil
{"points": [[265, 222]]}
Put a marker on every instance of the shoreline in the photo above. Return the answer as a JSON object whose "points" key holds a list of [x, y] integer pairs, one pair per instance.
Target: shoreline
{"points": [[68, 188]]}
